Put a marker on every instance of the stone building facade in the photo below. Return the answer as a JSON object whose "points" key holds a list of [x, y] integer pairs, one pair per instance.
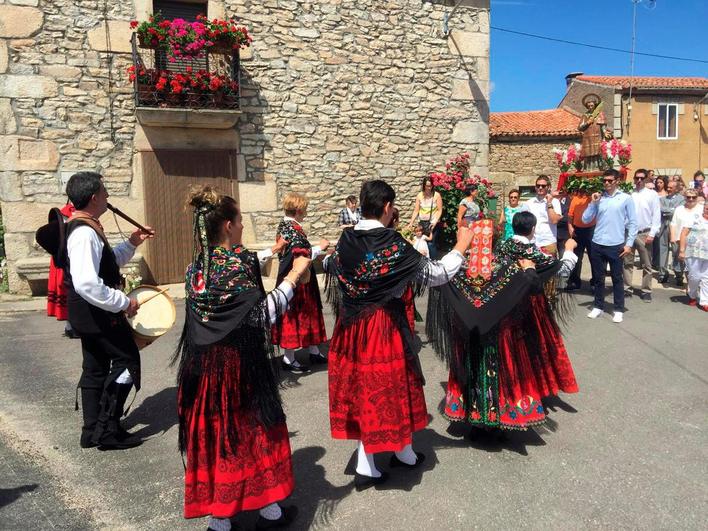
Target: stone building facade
{"points": [[333, 93], [521, 145]]}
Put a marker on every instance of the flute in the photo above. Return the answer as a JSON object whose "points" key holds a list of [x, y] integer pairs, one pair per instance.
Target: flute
{"points": [[130, 220]]}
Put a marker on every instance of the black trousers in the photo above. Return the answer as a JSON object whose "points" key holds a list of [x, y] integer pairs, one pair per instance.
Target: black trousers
{"points": [[107, 355], [583, 235]]}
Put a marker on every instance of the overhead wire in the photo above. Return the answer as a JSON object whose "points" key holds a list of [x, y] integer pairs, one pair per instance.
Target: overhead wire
{"points": [[597, 46]]}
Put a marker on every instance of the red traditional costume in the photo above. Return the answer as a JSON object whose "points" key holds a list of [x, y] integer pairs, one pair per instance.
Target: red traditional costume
{"points": [[303, 324], [231, 423], [56, 291], [502, 341], [375, 380]]}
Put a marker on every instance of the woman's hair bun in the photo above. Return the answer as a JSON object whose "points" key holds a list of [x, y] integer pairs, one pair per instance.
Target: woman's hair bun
{"points": [[204, 196]]}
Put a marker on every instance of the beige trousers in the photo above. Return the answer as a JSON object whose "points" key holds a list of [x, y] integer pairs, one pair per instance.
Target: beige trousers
{"points": [[644, 249]]}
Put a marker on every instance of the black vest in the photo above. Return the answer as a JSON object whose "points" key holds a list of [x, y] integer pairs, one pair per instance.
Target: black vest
{"points": [[84, 317]]}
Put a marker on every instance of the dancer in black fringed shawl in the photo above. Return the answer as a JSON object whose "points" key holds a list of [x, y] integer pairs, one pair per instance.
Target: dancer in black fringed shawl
{"points": [[231, 422], [375, 380], [500, 337]]}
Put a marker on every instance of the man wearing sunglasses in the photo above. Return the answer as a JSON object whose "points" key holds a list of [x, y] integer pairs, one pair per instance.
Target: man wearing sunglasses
{"points": [[648, 210], [615, 232], [548, 213]]}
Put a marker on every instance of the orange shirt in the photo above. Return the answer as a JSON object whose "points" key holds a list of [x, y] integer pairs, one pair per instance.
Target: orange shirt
{"points": [[575, 211]]}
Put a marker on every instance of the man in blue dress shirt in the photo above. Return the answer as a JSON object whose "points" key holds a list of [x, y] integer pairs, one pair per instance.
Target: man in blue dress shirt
{"points": [[615, 232]]}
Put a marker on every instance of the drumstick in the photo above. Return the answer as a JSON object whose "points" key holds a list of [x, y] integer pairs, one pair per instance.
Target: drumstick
{"points": [[149, 298]]}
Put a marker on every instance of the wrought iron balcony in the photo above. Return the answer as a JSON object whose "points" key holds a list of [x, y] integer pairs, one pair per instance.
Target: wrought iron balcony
{"points": [[210, 82]]}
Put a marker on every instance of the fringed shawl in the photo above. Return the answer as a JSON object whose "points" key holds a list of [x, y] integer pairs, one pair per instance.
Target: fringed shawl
{"points": [[369, 268], [227, 317], [466, 308]]}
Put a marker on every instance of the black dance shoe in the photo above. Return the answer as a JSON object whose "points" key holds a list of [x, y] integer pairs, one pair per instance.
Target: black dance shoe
{"points": [[318, 359], [396, 462], [69, 332], [362, 482], [288, 516], [295, 367]]}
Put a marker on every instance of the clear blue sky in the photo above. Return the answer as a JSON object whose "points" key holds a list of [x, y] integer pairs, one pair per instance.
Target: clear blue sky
{"points": [[529, 73]]}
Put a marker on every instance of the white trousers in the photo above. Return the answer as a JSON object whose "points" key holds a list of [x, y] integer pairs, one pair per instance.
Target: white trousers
{"points": [[698, 279]]}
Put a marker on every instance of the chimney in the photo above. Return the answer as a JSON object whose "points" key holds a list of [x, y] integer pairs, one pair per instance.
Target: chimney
{"points": [[570, 77]]}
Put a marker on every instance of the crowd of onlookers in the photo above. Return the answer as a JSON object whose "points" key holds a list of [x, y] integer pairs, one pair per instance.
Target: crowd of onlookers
{"points": [[662, 223]]}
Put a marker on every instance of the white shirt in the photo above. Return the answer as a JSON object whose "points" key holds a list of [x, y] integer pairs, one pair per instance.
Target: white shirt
{"points": [[546, 232], [421, 245], [84, 248], [647, 207], [684, 217], [316, 249], [440, 271]]}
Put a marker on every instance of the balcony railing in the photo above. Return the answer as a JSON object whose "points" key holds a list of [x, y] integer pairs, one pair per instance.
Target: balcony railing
{"points": [[210, 82]]}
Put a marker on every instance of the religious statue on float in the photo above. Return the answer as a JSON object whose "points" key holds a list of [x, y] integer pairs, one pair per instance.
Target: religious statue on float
{"points": [[593, 127]]}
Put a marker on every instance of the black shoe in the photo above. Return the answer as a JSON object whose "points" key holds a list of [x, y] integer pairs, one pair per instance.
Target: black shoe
{"points": [[572, 287], [318, 359], [628, 294], [664, 278], [114, 443], [396, 462], [68, 332], [294, 367], [362, 482], [679, 282], [288, 516], [646, 297]]}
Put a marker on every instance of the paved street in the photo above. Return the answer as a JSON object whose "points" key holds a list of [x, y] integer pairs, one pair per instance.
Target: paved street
{"points": [[628, 451]]}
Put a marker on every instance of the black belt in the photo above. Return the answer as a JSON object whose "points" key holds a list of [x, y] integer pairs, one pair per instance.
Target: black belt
{"points": [[643, 231]]}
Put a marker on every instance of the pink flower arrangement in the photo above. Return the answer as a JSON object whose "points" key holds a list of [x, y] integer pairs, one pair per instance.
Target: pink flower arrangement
{"points": [[181, 38], [616, 153], [569, 158]]}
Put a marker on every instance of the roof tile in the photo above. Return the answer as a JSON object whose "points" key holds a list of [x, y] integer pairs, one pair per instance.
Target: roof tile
{"points": [[641, 82], [550, 123]]}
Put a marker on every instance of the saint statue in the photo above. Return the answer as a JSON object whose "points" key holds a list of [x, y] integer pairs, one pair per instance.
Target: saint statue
{"points": [[592, 125]]}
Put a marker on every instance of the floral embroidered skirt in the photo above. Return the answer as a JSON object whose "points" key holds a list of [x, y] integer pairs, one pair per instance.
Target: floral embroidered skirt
{"points": [[303, 324], [221, 482], [509, 374], [375, 396], [56, 293]]}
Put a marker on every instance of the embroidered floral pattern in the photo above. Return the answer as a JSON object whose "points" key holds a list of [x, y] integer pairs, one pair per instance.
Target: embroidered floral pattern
{"points": [[231, 273], [293, 233], [375, 265]]}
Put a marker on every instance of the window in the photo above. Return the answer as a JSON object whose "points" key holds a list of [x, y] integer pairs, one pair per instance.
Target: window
{"points": [[187, 11], [667, 121]]}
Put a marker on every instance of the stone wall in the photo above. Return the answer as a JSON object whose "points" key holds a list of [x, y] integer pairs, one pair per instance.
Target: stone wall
{"points": [[518, 162], [60, 111], [578, 89], [334, 92]]}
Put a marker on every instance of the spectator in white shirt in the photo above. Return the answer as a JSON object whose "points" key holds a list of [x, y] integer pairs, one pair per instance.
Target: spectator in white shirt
{"points": [[548, 213], [647, 207]]}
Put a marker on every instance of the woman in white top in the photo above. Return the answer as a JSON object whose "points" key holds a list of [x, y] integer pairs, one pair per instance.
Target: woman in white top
{"points": [[684, 216], [427, 211], [468, 211]]}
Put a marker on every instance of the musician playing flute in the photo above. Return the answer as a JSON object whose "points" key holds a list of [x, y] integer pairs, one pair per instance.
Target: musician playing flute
{"points": [[97, 313]]}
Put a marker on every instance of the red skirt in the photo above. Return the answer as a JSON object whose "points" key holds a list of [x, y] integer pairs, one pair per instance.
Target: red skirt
{"points": [[511, 381], [303, 324], [222, 484], [375, 396], [56, 293], [409, 301]]}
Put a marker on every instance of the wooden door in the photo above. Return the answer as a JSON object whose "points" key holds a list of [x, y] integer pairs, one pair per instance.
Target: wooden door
{"points": [[168, 176]]}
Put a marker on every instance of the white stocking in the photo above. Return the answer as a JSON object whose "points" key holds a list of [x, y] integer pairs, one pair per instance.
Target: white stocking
{"points": [[365, 463], [314, 349], [407, 455], [289, 355], [271, 512], [219, 524]]}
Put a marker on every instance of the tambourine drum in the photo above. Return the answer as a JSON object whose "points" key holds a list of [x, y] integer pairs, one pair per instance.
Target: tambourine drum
{"points": [[156, 315]]}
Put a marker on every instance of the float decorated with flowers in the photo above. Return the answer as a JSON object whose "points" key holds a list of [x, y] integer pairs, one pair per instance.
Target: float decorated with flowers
{"points": [[615, 154]]}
